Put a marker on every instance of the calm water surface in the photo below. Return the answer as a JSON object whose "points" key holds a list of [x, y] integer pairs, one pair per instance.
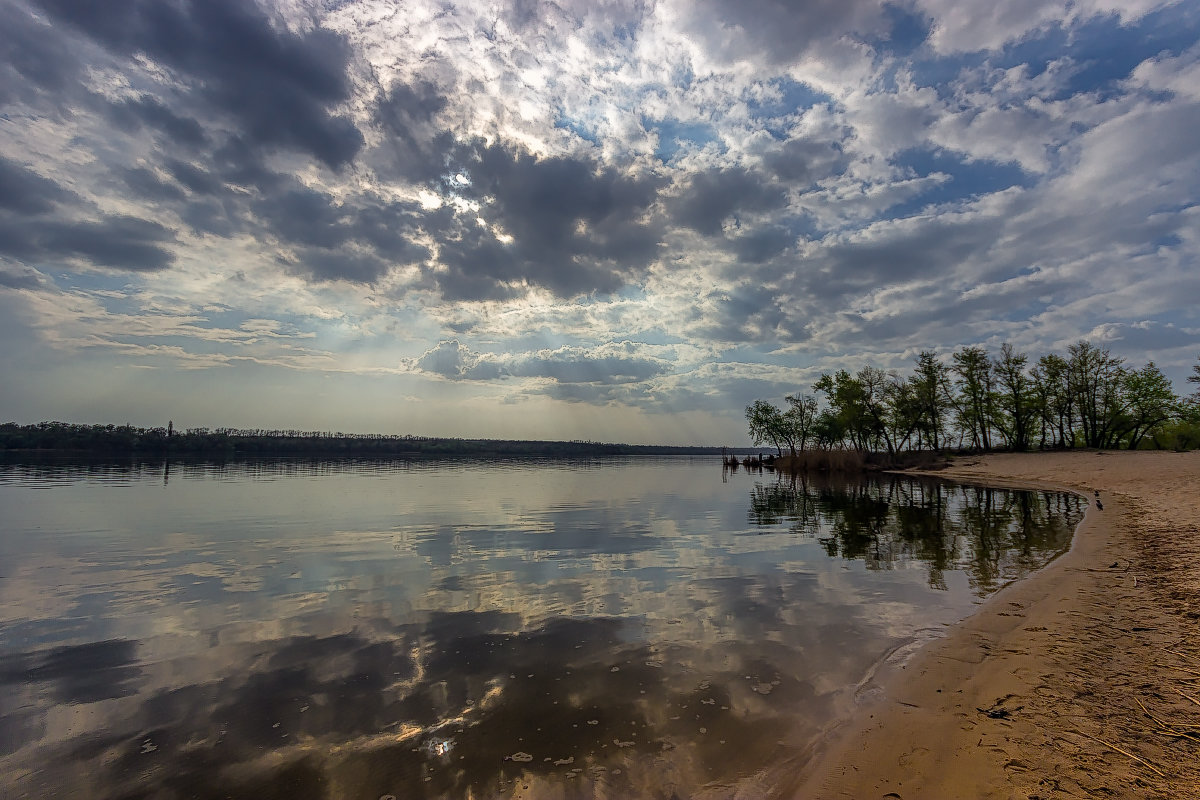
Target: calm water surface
{"points": [[618, 628]]}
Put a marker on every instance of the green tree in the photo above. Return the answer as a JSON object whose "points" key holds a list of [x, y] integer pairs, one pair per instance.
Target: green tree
{"points": [[766, 424], [845, 416], [1096, 378], [1015, 398], [1149, 401], [859, 407], [904, 419], [878, 406], [930, 385], [975, 399], [1053, 400], [799, 420], [827, 429]]}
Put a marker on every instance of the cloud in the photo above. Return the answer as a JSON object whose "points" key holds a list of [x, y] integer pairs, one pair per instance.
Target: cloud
{"points": [[117, 241], [34, 59], [25, 192], [613, 363], [609, 364], [144, 111], [966, 27], [806, 159], [1166, 73], [780, 31], [708, 199], [565, 224], [21, 279], [415, 145], [278, 85], [451, 360]]}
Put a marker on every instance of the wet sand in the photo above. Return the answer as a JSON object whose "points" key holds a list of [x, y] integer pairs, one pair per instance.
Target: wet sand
{"points": [[1082, 680]]}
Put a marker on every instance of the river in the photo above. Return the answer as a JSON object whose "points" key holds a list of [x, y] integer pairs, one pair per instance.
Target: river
{"points": [[625, 627]]}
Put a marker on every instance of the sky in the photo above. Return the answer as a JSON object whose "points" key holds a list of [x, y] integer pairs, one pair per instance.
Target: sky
{"points": [[612, 220]]}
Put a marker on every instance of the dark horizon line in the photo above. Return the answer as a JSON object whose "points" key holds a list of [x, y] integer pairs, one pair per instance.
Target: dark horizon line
{"points": [[109, 437]]}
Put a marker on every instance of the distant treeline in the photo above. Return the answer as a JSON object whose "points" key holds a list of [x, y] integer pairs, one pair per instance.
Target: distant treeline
{"points": [[65, 436], [1087, 398]]}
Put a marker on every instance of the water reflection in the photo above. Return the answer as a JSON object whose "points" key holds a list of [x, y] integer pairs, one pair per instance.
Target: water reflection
{"points": [[446, 630], [993, 535]]}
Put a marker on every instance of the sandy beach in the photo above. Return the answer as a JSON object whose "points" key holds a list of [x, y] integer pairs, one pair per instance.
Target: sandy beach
{"points": [[1082, 680]]}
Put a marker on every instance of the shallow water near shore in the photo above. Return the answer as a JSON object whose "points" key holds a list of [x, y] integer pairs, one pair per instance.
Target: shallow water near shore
{"points": [[428, 629]]}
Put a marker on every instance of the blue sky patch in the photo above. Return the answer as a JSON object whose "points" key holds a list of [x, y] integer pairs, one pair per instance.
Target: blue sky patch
{"points": [[675, 135], [793, 98], [968, 179]]}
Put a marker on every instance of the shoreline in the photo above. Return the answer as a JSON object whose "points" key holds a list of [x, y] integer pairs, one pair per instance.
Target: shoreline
{"points": [[1038, 692]]}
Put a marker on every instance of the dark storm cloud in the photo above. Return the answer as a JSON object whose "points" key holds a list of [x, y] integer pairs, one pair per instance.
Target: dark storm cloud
{"points": [[353, 241], [33, 57], [27, 233], [804, 161], [782, 30], [194, 178], [417, 147], [245, 86], [23, 191], [116, 241], [306, 216], [239, 162], [217, 217], [477, 266], [279, 85], [577, 227], [710, 198], [339, 265], [310, 217], [120, 242], [131, 115], [762, 245], [147, 185]]}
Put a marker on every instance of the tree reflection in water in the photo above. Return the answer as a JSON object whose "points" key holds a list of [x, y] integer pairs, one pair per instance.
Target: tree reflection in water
{"points": [[994, 535]]}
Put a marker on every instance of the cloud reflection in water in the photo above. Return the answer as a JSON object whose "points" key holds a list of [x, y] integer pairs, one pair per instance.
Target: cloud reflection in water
{"points": [[468, 630]]}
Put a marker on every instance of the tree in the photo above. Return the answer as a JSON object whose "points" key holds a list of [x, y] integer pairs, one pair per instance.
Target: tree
{"points": [[1053, 400], [799, 420], [1195, 378], [766, 424], [859, 406], [974, 382], [904, 414], [827, 429], [876, 405], [845, 395], [1095, 378], [1015, 398], [930, 385], [1149, 402]]}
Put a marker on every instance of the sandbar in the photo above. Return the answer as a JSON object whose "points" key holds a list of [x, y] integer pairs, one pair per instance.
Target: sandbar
{"points": [[1081, 680]]}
